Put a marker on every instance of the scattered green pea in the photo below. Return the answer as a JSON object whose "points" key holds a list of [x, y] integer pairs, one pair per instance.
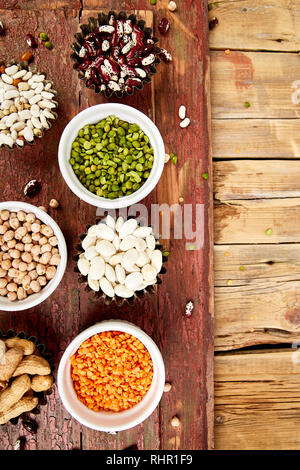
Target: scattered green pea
{"points": [[242, 268], [48, 44], [269, 231], [229, 282], [210, 6], [173, 158], [247, 104], [152, 2], [112, 158], [44, 36], [205, 176], [166, 253]]}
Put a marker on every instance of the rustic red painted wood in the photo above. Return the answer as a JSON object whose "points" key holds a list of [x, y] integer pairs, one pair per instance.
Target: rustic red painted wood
{"points": [[186, 343]]}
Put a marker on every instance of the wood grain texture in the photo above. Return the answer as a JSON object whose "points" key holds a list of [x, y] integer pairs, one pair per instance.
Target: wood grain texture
{"points": [[257, 400], [256, 179], [256, 138], [246, 221], [257, 295], [267, 80], [256, 25], [71, 309]]}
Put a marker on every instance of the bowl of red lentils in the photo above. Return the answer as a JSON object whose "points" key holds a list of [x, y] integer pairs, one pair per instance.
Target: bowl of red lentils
{"points": [[111, 376]]}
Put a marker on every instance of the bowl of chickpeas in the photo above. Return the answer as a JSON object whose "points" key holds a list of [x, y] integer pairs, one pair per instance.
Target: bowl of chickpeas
{"points": [[33, 256]]}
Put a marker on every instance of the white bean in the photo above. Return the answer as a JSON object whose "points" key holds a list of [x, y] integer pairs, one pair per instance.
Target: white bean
{"points": [[127, 228], [106, 287]]}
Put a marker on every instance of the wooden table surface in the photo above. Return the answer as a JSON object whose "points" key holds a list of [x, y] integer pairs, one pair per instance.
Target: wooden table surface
{"points": [[186, 343], [256, 154]]}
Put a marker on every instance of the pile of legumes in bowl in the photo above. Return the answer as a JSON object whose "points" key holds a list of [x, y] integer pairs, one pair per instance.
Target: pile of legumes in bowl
{"points": [[111, 155], [33, 255], [111, 377]]}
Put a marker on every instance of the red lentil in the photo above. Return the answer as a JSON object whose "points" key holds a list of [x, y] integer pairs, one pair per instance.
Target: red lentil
{"points": [[111, 371]]}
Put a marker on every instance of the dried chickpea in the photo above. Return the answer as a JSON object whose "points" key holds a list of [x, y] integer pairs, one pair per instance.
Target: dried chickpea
{"points": [[3, 272], [50, 272], [43, 241], [30, 217], [27, 225], [3, 292], [54, 203], [13, 215], [3, 229], [27, 238], [35, 227], [14, 223], [26, 282], [21, 216], [31, 266], [6, 224], [26, 257], [21, 293], [36, 250], [4, 247], [45, 258], [54, 251], [12, 243], [12, 296], [9, 235], [6, 264], [3, 283], [33, 275], [20, 232], [53, 241], [12, 287], [4, 214], [23, 266], [36, 236], [15, 253], [5, 256], [29, 291], [42, 280], [20, 246], [15, 263], [45, 248], [35, 286], [55, 260], [28, 247], [40, 269], [12, 272], [47, 231]]}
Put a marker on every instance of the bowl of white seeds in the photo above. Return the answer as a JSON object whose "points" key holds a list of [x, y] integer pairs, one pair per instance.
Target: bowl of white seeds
{"points": [[119, 260], [26, 105]]}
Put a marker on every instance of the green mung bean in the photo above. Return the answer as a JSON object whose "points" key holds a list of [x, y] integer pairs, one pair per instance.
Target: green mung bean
{"points": [[112, 158]]}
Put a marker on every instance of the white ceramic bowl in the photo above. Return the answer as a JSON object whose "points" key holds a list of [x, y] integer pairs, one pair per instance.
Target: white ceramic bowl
{"points": [[105, 420], [93, 115], [35, 299]]}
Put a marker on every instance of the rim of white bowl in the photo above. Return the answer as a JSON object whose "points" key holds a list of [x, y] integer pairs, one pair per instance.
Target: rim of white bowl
{"points": [[158, 366], [36, 299], [92, 115]]}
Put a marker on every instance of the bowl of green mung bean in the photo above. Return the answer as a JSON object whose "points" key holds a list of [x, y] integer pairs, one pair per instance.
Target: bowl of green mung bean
{"points": [[111, 155]]}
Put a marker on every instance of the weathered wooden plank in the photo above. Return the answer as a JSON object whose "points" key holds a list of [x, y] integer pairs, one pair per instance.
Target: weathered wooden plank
{"points": [[55, 321], [268, 81], [257, 400], [256, 265], [246, 221], [254, 179], [256, 138], [256, 25], [265, 313]]}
